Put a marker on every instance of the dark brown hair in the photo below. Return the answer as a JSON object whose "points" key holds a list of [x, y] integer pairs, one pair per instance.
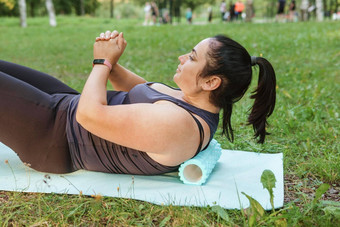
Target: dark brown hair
{"points": [[232, 63]]}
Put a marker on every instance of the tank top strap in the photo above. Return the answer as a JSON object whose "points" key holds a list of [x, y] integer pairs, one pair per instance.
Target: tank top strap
{"points": [[200, 128]]}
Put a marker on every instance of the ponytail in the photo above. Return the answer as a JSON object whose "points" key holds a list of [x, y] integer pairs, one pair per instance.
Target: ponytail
{"points": [[233, 64], [264, 95], [227, 129]]}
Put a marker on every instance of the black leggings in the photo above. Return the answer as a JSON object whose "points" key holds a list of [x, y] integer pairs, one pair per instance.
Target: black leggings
{"points": [[32, 122]]}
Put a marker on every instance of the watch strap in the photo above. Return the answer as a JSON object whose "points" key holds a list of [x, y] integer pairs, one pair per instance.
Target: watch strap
{"points": [[102, 62]]}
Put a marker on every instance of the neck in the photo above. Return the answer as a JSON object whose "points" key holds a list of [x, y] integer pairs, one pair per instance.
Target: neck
{"points": [[201, 101]]}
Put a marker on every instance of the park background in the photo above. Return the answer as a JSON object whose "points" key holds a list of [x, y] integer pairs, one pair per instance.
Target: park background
{"points": [[304, 125], [251, 9]]}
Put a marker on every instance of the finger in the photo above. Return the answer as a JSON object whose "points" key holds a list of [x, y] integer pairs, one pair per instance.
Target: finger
{"points": [[102, 36], [107, 35], [114, 34], [97, 39], [121, 41], [115, 40]]}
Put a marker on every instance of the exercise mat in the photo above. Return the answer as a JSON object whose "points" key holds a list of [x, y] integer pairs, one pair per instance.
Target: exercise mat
{"points": [[234, 173]]}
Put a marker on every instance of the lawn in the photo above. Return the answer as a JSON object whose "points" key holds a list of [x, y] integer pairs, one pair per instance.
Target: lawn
{"points": [[304, 125]]}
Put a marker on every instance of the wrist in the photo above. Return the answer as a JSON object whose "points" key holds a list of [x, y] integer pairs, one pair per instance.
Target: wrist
{"points": [[114, 67], [102, 62], [101, 70]]}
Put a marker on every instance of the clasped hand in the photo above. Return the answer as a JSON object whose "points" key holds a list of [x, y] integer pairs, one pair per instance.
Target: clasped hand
{"points": [[109, 46]]}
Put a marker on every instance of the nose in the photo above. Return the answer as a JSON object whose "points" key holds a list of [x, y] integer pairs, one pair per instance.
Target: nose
{"points": [[183, 58]]}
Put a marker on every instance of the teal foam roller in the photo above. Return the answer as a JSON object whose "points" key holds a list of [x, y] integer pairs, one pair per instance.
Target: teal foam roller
{"points": [[197, 170]]}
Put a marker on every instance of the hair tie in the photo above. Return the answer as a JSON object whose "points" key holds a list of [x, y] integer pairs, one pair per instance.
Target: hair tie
{"points": [[253, 60]]}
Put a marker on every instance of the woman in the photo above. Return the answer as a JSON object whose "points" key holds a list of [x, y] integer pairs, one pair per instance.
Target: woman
{"points": [[292, 8], [154, 12], [141, 128]]}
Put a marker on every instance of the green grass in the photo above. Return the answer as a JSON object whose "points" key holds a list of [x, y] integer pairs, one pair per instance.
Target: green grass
{"points": [[304, 126]]}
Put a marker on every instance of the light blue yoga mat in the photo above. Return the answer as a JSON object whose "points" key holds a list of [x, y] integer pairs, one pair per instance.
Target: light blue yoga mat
{"points": [[235, 172]]}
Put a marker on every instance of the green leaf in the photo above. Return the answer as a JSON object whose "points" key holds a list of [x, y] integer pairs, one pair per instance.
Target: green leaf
{"points": [[252, 220], [335, 211], [320, 191], [165, 220], [268, 179], [220, 212], [330, 203], [268, 182], [141, 207], [255, 206]]}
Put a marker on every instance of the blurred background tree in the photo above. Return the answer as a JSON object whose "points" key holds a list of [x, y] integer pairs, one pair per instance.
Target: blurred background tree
{"points": [[134, 8], [9, 8], [38, 8], [83, 7]]}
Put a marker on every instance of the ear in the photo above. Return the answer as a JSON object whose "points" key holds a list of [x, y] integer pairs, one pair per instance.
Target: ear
{"points": [[211, 83]]}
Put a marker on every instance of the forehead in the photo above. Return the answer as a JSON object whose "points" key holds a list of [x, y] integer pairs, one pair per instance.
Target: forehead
{"points": [[202, 47]]}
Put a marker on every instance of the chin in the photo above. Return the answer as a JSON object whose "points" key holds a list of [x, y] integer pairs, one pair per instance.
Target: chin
{"points": [[174, 78]]}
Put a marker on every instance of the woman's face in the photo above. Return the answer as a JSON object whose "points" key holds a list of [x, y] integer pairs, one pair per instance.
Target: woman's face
{"points": [[190, 66]]}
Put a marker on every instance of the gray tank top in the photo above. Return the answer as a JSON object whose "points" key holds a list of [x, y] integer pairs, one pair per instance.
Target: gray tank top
{"points": [[93, 153]]}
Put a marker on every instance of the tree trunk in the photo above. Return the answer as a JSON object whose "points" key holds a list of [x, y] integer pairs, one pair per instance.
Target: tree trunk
{"points": [[319, 10], [112, 9], [325, 8], [249, 10], [22, 9], [82, 8], [51, 13], [32, 6], [171, 11]]}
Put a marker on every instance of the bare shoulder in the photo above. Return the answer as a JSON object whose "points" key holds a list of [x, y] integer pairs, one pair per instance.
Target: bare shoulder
{"points": [[179, 121], [181, 135]]}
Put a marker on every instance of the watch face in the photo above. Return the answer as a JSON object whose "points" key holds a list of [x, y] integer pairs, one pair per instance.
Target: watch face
{"points": [[98, 61]]}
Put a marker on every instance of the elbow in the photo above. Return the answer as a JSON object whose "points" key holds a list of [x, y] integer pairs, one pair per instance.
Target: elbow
{"points": [[81, 116], [88, 113], [86, 116]]}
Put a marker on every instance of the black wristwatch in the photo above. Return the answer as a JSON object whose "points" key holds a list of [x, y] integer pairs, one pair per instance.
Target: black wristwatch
{"points": [[102, 62]]}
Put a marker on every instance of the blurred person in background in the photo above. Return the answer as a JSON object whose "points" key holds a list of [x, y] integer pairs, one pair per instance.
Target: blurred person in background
{"points": [[223, 9], [280, 16], [154, 12], [188, 16], [147, 12], [292, 10]]}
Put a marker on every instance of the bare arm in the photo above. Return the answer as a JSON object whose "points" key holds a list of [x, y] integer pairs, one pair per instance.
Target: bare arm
{"points": [[123, 79]]}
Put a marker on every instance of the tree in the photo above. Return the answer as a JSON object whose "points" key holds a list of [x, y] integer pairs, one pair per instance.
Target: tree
{"points": [[33, 6], [192, 4], [9, 8], [85, 6], [22, 9], [319, 10], [111, 8], [8, 3], [51, 13], [271, 8], [82, 8], [63, 7]]}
